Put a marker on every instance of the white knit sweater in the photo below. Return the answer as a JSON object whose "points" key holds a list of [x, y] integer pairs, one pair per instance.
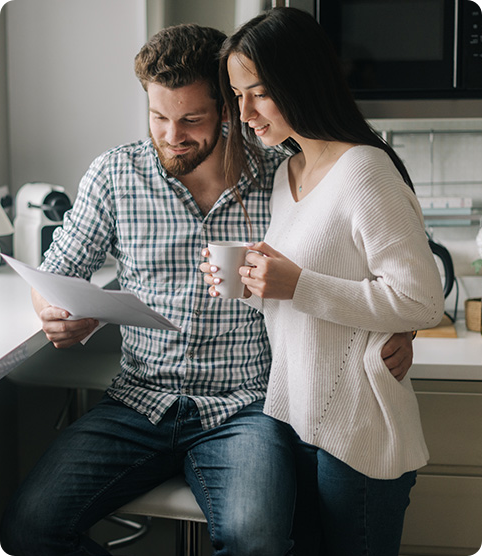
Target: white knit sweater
{"points": [[367, 272]]}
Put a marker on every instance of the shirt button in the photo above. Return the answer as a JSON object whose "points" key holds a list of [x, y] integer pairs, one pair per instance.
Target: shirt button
{"points": [[190, 354], [197, 312]]}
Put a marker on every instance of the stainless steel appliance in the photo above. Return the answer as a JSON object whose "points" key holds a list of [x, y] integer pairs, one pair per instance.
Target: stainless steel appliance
{"points": [[39, 209], [407, 48]]}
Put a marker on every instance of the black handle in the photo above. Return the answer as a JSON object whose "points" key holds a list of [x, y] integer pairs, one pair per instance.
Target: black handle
{"points": [[444, 256]]}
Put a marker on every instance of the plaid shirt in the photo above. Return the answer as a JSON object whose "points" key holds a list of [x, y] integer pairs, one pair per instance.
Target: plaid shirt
{"points": [[129, 206]]}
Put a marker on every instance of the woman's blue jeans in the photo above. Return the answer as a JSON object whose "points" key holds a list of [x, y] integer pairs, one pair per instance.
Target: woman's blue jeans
{"points": [[353, 514], [241, 472]]}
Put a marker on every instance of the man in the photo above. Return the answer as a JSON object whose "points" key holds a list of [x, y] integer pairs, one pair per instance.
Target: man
{"points": [[183, 402]]}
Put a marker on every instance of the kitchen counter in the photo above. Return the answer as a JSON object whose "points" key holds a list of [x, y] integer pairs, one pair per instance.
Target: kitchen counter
{"points": [[21, 336], [448, 358], [20, 330]]}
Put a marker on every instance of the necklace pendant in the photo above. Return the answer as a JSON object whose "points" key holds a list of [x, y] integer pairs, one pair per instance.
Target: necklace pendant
{"points": [[300, 188]]}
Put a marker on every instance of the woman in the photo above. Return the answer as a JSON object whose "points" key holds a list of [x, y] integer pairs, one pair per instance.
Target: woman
{"points": [[345, 264]]}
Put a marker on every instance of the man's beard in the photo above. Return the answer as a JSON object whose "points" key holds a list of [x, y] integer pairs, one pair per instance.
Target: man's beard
{"points": [[186, 163]]}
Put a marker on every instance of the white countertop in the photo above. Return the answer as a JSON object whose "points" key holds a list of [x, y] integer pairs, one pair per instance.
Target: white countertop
{"points": [[449, 358], [20, 335], [20, 332]]}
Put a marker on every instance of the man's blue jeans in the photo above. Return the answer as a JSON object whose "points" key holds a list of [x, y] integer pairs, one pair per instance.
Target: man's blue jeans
{"points": [[242, 474]]}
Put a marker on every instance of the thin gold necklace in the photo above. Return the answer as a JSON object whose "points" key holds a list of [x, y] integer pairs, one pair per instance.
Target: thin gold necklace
{"points": [[300, 187]]}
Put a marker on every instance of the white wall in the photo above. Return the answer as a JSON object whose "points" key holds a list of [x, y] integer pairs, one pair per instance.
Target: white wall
{"points": [[71, 85], [4, 164]]}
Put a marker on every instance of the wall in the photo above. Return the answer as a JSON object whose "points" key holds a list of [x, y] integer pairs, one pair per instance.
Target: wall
{"points": [[8, 421], [4, 151], [225, 15], [71, 85], [213, 13]]}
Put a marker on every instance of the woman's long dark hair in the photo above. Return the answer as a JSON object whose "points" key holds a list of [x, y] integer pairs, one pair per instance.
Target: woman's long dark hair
{"points": [[300, 71]]}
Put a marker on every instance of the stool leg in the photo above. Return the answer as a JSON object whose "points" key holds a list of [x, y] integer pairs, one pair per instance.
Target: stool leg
{"points": [[197, 536], [188, 538], [180, 538]]}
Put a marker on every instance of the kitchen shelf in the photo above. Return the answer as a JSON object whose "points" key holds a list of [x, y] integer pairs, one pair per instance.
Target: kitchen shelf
{"points": [[475, 216], [446, 183], [431, 131], [435, 160]]}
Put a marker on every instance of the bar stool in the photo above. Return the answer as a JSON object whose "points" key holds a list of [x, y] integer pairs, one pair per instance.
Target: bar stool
{"points": [[173, 499]]}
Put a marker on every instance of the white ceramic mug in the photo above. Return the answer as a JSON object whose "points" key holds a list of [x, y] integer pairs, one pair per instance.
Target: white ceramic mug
{"points": [[228, 256]]}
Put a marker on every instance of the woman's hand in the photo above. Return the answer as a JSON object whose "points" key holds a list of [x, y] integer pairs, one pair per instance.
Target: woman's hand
{"points": [[397, 354], [270, 275], [209, 270]]}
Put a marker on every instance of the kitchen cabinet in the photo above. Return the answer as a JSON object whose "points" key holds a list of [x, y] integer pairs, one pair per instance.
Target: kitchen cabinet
{"points": [[445, 514], [421, 109]]}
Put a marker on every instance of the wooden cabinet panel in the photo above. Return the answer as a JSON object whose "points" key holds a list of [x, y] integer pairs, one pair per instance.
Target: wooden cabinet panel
{"points": [[444, 516], [452, 424]]}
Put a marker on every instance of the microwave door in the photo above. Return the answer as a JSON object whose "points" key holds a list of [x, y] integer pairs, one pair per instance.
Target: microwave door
{"points": [[402, 46]]}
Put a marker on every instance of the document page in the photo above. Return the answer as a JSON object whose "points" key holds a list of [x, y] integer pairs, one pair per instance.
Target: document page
{"points": [[85, 300]]}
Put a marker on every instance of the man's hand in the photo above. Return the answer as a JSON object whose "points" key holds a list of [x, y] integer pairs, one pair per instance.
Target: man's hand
{"points": [[61, 332], [397, 354]]}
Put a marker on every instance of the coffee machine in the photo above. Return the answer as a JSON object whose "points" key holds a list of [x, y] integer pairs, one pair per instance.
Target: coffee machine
{"points": [[39, 209]]}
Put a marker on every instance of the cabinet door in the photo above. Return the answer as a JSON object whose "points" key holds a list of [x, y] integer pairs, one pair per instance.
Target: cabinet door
{"points": [[444, 516], [452, 425]]}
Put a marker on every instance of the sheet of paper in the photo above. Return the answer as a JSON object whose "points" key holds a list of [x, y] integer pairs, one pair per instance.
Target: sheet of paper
{"points": [[85, 300]]}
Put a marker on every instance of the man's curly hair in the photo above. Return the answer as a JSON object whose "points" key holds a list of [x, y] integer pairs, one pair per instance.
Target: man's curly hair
{"points": [[181, 55]]}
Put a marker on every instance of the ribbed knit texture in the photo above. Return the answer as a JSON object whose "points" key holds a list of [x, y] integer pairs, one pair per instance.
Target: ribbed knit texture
{"points": [[367, 272]]}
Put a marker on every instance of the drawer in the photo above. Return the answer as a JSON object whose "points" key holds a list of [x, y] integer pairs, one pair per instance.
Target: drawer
{"points": [[444, 516], [452, 424]]}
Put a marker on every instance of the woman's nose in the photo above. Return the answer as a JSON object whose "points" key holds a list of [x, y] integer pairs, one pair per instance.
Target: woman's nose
{"points": [[245, 110]]}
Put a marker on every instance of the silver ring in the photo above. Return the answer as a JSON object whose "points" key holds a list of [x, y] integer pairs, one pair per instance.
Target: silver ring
{"points": [[249, 273]]}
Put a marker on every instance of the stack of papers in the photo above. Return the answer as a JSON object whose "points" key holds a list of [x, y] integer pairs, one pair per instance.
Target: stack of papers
{"points": [[85, 300]]}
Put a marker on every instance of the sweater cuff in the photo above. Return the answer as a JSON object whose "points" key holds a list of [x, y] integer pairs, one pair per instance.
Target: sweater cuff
{"points": [[255, 302], [302, 298]]}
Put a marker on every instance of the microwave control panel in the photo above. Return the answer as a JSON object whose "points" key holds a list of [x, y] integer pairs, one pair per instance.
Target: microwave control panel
{"points": [[472, 47]]}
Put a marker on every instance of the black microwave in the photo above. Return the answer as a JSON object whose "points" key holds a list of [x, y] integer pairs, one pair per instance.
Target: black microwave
{"points": [[407, 48]]}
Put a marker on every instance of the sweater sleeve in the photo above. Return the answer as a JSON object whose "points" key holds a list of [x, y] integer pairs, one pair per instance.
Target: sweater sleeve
{"points": [[255, 302], [402, 289], [401, 298]]}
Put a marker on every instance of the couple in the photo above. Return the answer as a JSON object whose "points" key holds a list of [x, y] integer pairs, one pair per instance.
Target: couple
{"points": [[346, 267]]}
